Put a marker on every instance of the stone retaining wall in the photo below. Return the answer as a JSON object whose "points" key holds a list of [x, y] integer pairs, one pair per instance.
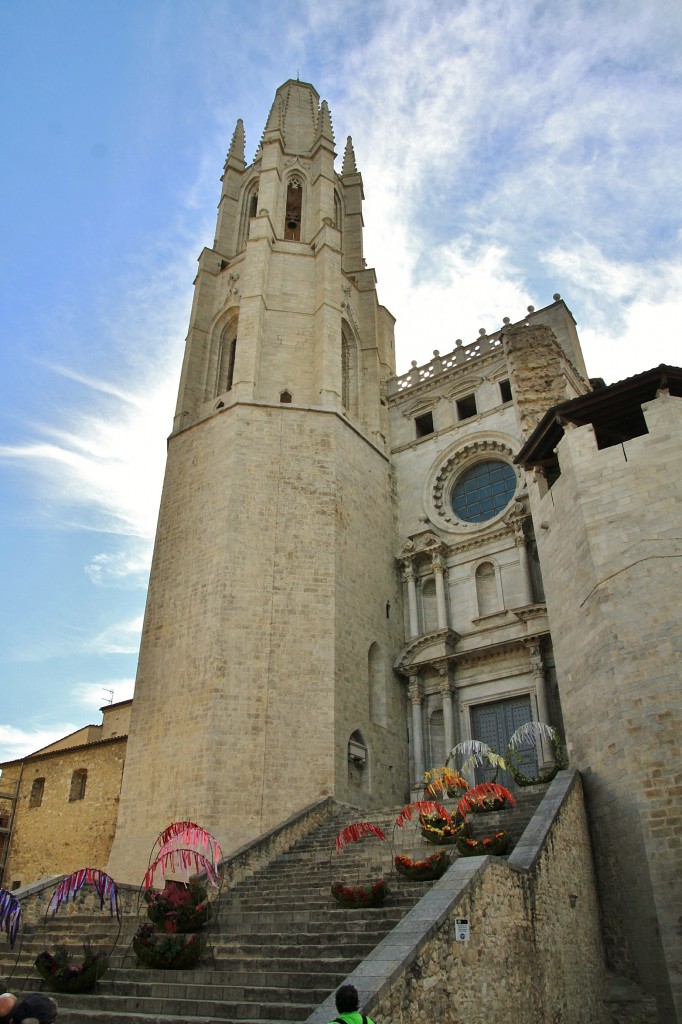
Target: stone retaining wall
{"points": [[535, 950]]}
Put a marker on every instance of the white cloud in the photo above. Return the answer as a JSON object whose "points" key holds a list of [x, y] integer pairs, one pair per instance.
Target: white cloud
{"points": [[120, 638], [127, 568], [16, 742], [96, 695]]}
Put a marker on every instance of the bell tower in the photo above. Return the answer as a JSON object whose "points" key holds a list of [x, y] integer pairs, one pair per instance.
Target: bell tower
{"points": [[273, 616]]}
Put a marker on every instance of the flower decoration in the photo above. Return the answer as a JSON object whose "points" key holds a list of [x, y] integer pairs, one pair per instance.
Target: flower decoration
{"points": [[179, 907], [69, 887], [63, 975], [442, 830], [10, 915], [532, 733], [493, 846], [444, 782], [167, 952], [185, 846], [421, 808], [487, 796], [476, 753], [423, 870], [353, 897], [353, 833]]}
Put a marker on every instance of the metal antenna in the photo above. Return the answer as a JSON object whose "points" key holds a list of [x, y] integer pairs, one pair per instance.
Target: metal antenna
{"points": [[111, 695]]}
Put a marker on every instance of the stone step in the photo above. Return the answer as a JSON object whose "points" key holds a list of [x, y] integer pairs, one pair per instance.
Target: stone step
{"points": [[278, 947], [246, 1009]]}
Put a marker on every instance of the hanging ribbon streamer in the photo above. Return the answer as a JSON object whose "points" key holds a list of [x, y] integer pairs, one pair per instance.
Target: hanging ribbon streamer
{"points": [[180, 844], [10, 915], [352, 833], [421, 807], [174, 859], [69, 887]]}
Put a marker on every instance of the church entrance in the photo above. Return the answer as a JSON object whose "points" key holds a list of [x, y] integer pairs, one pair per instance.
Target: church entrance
{"points": [[495, 724]]}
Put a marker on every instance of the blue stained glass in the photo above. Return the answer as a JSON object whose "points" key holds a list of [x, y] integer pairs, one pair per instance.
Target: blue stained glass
{"points": [[483, 491]]}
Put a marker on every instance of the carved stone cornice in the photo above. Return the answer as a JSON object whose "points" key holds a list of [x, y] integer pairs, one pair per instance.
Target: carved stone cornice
{"points": [[430, 650], [530, 612]]}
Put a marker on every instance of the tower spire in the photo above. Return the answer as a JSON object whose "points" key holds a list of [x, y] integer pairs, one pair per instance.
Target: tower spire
{"points": [[349, 165], [236, 152], [324, 123]]}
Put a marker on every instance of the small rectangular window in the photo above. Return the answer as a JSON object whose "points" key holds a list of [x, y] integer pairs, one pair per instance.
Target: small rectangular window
{"points": [[505, 391], [37, 790], [424, 424], [466, 407], [79, 781]]}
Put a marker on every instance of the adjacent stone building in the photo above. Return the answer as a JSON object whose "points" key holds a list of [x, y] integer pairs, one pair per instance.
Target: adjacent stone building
{"points": [[59, 805], [606, 499]]}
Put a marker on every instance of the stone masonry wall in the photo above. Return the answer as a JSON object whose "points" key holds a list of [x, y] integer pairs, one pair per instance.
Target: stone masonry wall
{"points": [[535, 952], [538, 372], [242, 677], [609, 543], [61, 835]]}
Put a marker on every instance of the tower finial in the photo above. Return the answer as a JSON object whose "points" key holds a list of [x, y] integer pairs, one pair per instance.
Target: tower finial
{"points": [[238, 141], [324, 123], [349, 165]]}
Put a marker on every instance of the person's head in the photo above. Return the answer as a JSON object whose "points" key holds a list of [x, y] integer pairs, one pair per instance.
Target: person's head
{"points": [[7, 1003], [347, 999], [35, 1007]]}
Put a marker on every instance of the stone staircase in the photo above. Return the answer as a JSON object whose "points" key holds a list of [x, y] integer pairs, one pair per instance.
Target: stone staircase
{"points": [[279, 945]]}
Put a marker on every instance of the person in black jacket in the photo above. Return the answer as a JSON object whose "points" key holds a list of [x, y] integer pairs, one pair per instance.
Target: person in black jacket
{"points": [[34, 1006], [347, 1003]]}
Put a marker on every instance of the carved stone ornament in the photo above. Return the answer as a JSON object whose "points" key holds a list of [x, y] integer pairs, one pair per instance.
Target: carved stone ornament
{"points": [[451, 467], [292, 161], [232, 289]]}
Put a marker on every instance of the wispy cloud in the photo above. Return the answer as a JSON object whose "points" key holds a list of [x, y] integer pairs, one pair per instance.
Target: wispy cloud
{"points": [[96, 695], [119, 638], [501, 129], [17, 742]]}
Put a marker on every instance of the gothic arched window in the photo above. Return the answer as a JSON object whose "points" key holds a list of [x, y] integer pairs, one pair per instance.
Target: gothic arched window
{"points": [[349, 371], [249, 211], [227, 353], [294, 210]]}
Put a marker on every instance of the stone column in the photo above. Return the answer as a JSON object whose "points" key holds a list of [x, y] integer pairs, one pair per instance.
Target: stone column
{"points": [[545, 755], [524, 564], [416, 695], [448, 711], [409, 578], [439, 576]]}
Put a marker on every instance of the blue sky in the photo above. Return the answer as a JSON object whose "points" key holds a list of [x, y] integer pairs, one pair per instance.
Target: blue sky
{"points": [[508, 151]]}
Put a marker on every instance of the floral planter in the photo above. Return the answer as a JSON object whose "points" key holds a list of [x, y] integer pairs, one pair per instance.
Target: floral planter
{"points": [[186, 924], [423, 870], [442, 832], [487, 804], [71, 978], [495, 846], [179, 908], [353, 897], [167, 952], [541, 780]]}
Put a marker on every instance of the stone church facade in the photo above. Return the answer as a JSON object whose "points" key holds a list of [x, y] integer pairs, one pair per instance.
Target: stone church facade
{"points": [[354, 570], [321, 618]]}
